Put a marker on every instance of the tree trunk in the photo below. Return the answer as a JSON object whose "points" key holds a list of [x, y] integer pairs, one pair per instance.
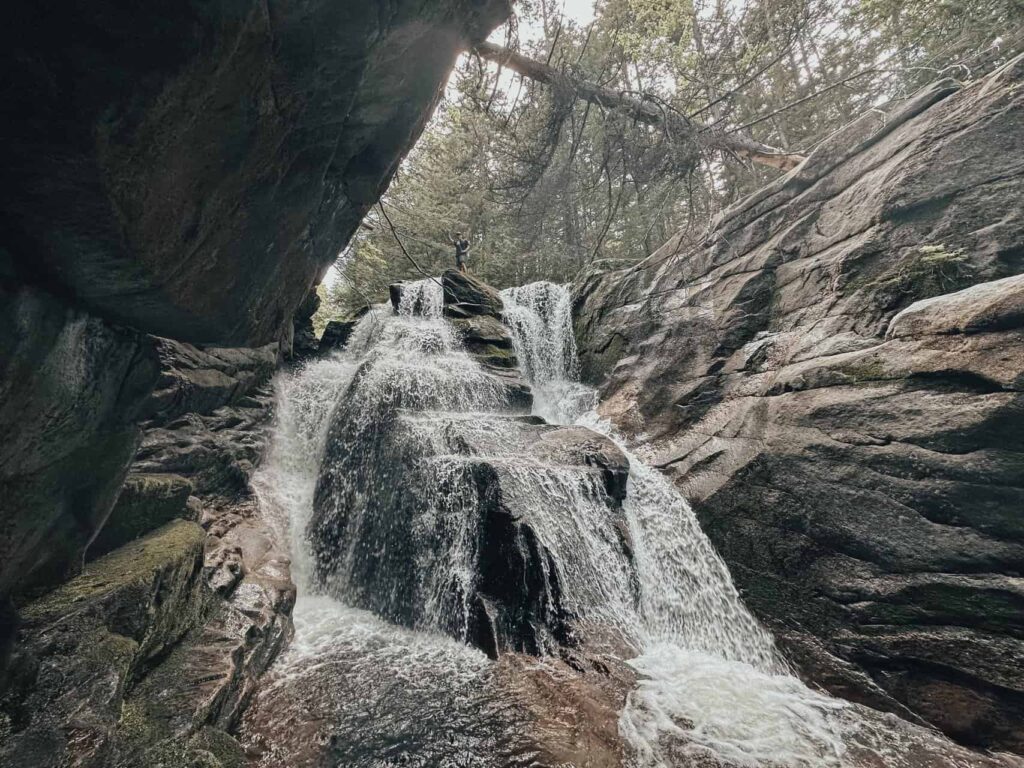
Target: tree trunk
{"points": [[642, 111]]}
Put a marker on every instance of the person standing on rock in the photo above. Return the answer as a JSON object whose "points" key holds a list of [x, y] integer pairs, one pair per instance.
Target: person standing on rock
{"points": [[461, 249]]}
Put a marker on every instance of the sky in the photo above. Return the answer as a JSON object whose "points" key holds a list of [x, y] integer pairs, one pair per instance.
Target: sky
{"points": [[579, 11]]}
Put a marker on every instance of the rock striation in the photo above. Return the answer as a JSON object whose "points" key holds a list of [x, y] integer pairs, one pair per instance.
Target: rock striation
{"points": [[192, 175], [189, 176], [833, 375], [185, 599]]}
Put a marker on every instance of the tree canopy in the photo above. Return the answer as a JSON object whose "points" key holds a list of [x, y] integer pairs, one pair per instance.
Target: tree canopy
{"points": [[544, 181]]}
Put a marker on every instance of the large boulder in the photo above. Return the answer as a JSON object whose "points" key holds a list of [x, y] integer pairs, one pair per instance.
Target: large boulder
{"points": [[834, 377], [125, 214], [467, 296], [72, 389], [193, 173], [146, 502], [201, 380], [462, 496], [82, 646], [430, 459], [337, 332], [487, 339]]}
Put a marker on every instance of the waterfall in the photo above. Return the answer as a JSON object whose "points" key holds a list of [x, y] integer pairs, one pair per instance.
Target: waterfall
{"points": [[384, 467], [704, 660], [539, 315], [422, 297]]}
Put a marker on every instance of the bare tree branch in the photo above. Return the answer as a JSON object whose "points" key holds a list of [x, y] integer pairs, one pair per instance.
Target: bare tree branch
{"points": [[642, 110]]}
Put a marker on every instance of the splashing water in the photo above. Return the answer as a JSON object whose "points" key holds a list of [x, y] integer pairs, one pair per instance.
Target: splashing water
{"points": [[422, 297], [540, 317], [710, 678], [406, 397]]}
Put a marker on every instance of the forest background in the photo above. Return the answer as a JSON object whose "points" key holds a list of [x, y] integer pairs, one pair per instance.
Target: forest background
{"points": [[544, 183]]}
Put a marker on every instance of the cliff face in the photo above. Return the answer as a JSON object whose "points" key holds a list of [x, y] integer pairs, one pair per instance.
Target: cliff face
{"points": [[188, 173], [834, 377], [174, 178], [191, 171]]}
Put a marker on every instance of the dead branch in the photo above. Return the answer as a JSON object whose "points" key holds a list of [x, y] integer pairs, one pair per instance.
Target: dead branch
{"points": [[642, 110]]}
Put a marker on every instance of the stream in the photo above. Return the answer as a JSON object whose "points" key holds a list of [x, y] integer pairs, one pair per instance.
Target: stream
{"points": [[382, 671]]}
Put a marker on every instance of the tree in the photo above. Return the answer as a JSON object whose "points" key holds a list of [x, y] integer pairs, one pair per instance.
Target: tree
{"points": [[623, 138]]}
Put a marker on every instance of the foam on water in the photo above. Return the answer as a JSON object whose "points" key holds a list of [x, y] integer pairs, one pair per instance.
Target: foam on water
{"points": [[422, 297], [710, 680], [688, 703]]}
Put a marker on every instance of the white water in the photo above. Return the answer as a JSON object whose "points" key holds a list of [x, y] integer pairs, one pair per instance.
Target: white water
{"points": [[422, 297], [710, 682], [710, 679]]}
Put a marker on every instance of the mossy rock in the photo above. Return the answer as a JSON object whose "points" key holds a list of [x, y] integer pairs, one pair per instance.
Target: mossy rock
{"points": [[147, 501], [495, 356], [868, 370], [83, 644], [140, 742], [148, 590], [930, 270]]}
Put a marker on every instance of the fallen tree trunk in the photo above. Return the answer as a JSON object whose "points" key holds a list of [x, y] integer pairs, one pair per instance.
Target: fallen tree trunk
{"points": [[642, 110]]}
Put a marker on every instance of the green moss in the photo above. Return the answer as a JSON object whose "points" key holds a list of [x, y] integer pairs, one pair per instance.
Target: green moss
{"points": [[147, 501], [222, 746], [110, 650], [931, 270], [131, 565], [145, 738], [868, 370]]}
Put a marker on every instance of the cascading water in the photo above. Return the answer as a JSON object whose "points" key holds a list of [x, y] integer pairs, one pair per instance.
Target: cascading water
{"points": [[691, 627], [422, 297], [390, 464], [540, 318]]}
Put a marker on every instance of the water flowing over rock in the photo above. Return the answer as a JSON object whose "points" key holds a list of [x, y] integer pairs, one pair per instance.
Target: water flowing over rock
{"points": [[408, 488], [425, 465], [833, 376], [190, 175], [189, 172]]}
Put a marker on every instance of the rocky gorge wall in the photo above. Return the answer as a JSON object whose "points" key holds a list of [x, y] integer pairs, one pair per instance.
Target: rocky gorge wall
{"points": [[833, 377], [176, 183]]}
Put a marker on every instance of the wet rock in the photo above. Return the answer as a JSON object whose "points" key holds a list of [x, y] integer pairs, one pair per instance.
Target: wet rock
{"points": [[217, 452], [146, 503], [337, 332], [213, 230], [72, 389], [466, 296], [573, 445], [487, 340], [82, 645], [194, 380], [190, 702], [472, 480], [834, 377], [304, 341], [423, 294], [997, 305]]}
